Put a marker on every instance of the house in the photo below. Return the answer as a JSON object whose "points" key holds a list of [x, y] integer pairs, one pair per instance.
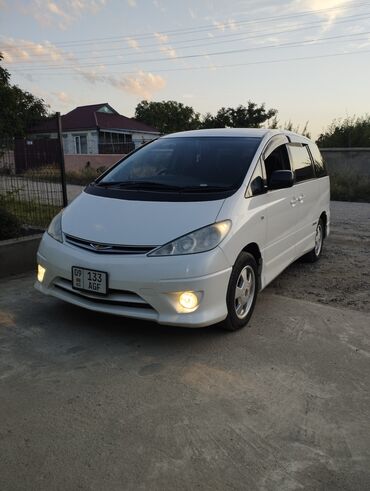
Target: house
{"points": [[96, 129]]}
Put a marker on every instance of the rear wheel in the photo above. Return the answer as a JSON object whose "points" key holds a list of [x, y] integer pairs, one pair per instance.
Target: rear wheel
{"points": [[242, 292], [315, 254]]}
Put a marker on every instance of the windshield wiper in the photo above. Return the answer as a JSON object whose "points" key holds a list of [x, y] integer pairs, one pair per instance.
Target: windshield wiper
{"points": [[202, 188], [139, 185]]}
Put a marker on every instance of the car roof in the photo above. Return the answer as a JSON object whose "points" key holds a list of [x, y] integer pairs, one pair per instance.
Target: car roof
{"points": [[237, 132]]}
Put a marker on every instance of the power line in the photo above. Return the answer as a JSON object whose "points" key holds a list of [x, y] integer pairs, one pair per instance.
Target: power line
{"points": [[260, 33], [186, 31], [198, 55], [237, 65]]}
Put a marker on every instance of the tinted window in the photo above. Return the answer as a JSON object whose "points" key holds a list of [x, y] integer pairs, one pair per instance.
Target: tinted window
{"points": [[188, 161], [301, 162], [257, 183], [318, 161], [277, 160]]}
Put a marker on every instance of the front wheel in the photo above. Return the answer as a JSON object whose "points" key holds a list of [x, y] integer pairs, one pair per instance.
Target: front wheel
{"points": [[242, 292]]}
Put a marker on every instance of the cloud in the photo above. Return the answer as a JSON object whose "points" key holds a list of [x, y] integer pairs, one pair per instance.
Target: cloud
{"points": [[192, 14], [63, 97], [61, 13], [338, 6], [143, 84], [227, 25], [91, 75], [133, 43], [19, 50], [162, 38], [131, 3], [169, 51], [158, 5]]}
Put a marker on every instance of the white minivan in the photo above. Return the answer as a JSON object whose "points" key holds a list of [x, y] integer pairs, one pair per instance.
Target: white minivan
{"points": [[187, 229]]}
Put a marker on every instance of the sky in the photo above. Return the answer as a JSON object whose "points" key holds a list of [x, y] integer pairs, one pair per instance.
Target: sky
{"points": [[309, 59]]}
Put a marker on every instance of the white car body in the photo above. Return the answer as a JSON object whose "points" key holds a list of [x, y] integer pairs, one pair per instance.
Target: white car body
{"points": [[277, 226]]}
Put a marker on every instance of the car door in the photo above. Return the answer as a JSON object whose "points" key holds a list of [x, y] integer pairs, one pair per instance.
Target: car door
{"points": [[281, 215], [307, 192]]}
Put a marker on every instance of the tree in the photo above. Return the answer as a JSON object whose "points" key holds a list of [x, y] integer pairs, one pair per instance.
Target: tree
{"points": [[289, 126], [250, 116], [167, 116], [350, 132], [18, 109]]}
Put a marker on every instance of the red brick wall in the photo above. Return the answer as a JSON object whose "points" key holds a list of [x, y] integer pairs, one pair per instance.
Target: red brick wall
{"points": [[78, 162]]}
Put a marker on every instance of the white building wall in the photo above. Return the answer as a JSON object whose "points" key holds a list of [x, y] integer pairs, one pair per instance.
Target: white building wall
{"points": [[140, 138], [91, 138]]}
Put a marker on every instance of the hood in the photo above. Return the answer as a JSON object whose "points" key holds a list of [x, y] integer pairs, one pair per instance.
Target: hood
{"points": [[126, 222]]}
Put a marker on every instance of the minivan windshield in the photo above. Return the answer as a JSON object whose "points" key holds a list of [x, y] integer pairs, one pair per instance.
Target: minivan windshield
{"points": [[194, 164]]}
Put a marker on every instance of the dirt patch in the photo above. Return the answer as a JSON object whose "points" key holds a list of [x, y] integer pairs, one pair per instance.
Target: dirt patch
{"points": [[342, 276]]}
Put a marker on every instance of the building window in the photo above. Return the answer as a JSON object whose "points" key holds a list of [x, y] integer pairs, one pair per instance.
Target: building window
{"points": [[114, 142], [80, 142]]}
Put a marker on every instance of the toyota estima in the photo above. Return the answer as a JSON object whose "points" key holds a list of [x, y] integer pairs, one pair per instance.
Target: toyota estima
{"points": [[187, 229]]}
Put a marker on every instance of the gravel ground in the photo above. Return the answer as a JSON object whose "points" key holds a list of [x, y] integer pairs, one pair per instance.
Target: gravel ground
{"points": [[342, 277]]}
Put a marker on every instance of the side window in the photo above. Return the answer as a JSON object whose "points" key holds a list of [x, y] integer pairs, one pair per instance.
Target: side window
{"points": [[301, 162], [257, 182], [318, 161], [277, 160]]}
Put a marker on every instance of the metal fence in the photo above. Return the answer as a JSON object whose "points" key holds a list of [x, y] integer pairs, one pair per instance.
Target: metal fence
{"points": [[32, 184]]}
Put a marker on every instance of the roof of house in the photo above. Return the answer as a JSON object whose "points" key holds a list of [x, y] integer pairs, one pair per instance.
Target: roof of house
{"points": [[96, 116]]}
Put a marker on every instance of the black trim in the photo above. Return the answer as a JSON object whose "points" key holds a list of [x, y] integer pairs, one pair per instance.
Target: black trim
{"points": [[160, 195]]}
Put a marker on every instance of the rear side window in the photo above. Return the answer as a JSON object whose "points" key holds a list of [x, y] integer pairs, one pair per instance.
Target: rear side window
{"points": [[318, 161], [301, 162]]}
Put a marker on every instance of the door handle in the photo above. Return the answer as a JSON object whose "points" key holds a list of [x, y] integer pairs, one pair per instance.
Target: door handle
{"points": [[293, 201], [301, 198]]}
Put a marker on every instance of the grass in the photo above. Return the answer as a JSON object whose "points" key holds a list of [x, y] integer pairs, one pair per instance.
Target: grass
{"points": [[29, 213], [52, 174], [350, 187]]}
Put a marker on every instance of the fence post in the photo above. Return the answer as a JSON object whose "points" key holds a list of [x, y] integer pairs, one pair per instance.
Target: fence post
{"points": [[62, 163]]}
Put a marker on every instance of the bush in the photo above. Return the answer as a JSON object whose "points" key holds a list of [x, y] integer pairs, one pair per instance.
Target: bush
{"points": [[51, 173], [9, 225], [84, 176], [350, 187]]}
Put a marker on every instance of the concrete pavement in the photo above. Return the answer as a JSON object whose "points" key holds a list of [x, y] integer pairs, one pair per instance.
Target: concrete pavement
{"points": [[94, 402]]}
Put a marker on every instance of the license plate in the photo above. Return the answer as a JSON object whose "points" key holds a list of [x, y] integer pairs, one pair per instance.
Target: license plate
{"points": [[89, 280]]}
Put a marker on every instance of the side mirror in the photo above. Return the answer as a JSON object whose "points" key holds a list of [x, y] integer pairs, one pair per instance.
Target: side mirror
{"points": [[281, 179], [258, 186]]}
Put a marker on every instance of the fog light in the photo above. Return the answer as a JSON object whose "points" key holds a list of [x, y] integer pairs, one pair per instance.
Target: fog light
{"points": [[188, 300], [40, 273]]}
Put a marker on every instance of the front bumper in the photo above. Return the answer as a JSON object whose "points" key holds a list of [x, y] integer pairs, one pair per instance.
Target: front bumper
{"points": [[139, 286]]}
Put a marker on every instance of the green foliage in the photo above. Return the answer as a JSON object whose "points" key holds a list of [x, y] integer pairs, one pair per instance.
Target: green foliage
{"points": [[250, 116], [289, 126], [9, 225], [167, 116], [349, 187], [350, 132], [171, 116], [18, 109]]}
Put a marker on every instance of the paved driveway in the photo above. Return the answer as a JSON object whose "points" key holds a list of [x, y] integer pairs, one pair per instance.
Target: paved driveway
{"points": [[94, 402]]}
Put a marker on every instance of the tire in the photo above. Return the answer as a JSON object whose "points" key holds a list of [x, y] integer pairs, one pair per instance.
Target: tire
{"points": [[240, 308], [316, 252]]}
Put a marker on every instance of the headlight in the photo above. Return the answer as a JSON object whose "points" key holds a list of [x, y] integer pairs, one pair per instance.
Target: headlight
{"points": [[201, 240], [55, 228]]}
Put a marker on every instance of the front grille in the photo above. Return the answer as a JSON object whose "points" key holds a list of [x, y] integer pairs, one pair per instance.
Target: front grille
{"points": [[121, 298], [103, 248]]}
